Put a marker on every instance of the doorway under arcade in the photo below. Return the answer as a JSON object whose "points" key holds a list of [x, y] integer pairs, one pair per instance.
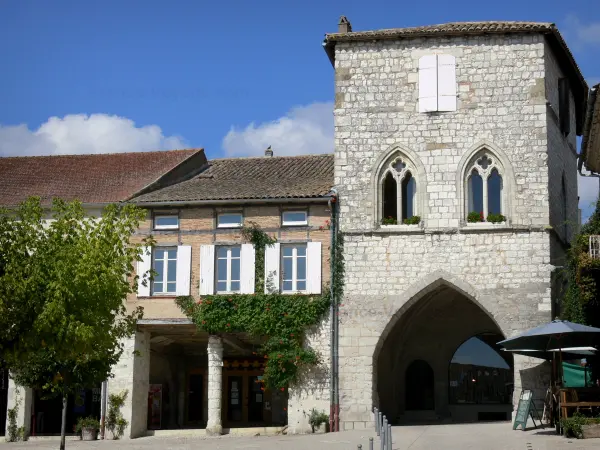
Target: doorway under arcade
{"points": [[440, 362]]}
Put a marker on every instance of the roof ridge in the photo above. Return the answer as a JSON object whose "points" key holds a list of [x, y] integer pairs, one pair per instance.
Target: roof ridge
{"points": [[311, 155], [80, 155]]}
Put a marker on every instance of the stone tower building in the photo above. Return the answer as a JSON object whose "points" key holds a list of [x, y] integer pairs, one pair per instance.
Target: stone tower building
{"points": [[455, 163]]}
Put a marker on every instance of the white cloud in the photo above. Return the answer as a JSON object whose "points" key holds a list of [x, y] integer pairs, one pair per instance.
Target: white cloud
{"points": [[581, 34], [303, 130], [82, 133]]}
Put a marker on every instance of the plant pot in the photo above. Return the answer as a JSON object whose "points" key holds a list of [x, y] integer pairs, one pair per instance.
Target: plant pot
{"points": [[591, 431], [89, 434]]}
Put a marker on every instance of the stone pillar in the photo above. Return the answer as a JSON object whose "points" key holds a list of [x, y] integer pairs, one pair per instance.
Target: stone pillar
{"points": [[132, 373], [215, 385], [24, 396]]}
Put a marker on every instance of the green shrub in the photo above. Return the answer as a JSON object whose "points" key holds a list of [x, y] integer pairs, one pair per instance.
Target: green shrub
{"points": [[316, 419], [414, 220], [389, 221], [115, 421], [572, 425], [496, 218]]}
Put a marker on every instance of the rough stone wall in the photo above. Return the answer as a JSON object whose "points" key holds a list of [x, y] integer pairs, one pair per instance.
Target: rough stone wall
{"points": [[505, 268]]}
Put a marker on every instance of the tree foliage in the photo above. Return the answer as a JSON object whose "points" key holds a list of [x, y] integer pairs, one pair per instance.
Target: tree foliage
{"points": [[63, 283]]}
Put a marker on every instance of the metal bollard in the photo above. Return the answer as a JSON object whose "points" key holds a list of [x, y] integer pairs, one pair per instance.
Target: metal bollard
{"points": [[384, 435], [379, 422], [370, 443], [389, 437], [376, 416]]}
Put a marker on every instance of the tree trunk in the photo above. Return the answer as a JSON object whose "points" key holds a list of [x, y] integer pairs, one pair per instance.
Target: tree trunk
{"points": [[63, 426]]}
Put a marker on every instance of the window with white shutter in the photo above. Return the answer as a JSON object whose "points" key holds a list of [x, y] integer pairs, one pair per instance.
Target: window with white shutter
{"points": [[143, 268], [313, 266], [293, 268], [184, 269], [164, 264], [229, 267], [272, 268], [248, 269], [207, 269], [437, 83]]}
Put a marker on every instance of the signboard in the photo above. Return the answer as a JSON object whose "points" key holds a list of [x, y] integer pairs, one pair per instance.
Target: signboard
{"points": [[523, 410]]}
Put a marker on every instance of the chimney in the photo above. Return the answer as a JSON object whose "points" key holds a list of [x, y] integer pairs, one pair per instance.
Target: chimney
{"points": [[344, 26], [269, 151]]}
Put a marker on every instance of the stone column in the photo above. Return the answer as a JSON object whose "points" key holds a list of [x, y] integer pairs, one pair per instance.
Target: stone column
{"points": [[24, 397], [132, 373], [215, 385]]}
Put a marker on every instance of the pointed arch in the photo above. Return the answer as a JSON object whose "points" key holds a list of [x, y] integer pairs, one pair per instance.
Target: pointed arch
{"points": [[503, 167], [414, 167]]}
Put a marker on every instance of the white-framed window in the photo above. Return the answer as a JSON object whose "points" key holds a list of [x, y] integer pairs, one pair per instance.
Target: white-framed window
{"points": [[484, 186], [294, 218], [437, 83], [397, 192], [293, 268], [228, 268], [166, 222], [164, 263], [230, 220]]}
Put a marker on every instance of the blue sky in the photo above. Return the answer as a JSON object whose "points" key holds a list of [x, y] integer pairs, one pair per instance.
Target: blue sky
{"points": [[230, 76]]}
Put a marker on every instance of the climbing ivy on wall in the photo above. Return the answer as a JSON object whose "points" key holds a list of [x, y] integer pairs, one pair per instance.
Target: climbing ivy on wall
{"points": [[279, 321], [581, 302]]}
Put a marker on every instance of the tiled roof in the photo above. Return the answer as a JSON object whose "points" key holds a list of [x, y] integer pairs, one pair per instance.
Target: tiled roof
{"points": [[97, 178], [556, 41], [252, 178], [590, 144]]}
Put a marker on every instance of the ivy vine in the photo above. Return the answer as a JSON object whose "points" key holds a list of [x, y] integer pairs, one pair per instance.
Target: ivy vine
{"points": [[279, 321]]}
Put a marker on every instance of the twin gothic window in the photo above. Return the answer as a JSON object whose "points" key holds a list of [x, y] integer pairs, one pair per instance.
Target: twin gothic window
{"points": [[483, 191], [398, 188]]}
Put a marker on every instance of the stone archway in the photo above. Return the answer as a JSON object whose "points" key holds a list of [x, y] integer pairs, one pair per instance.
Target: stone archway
{"points": [[429, 327]]}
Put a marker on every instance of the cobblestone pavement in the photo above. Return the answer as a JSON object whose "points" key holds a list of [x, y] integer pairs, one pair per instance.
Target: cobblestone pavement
{"points": [[496, 436]]}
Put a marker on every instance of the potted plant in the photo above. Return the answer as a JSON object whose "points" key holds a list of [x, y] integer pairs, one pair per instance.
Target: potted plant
{"points": [[389, 221], [317, 418], [474, 217], [88, 427], [414, 220], [496, 218]]}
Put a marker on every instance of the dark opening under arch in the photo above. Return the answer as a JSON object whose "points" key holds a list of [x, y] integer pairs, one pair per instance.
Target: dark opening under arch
{"points": [[419, 386]]}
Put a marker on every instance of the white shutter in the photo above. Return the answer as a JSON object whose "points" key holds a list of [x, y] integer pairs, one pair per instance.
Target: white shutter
{"points": [[313, 267], [428, 83], [143, 267], [272, 258], [184, 268], [446, 76], [247, 269], [207, 269]]}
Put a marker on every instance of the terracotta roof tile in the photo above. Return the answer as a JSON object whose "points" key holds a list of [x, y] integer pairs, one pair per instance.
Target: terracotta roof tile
{"points": [[253, 178], [96, 178]]}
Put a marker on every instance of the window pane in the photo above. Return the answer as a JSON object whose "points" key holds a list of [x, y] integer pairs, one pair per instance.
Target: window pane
{"points": [[301, 269], [390, 199], [172, 253], [494, 186], [301, 285], [475, 192], [221, 269], [287, 268], [159, 268], [294, 216], [408, 196], [235, 285], [166, 221], [287, 286], [235, 252], [229, 219], [158, 287], [171, 287], [222, 252], [235, 269], [287, 251], [221, 286], [301, 250], [172, 271]]}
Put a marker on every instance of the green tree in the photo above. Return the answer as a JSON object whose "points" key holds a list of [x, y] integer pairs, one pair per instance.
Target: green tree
{"points": [[62, 288]]}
